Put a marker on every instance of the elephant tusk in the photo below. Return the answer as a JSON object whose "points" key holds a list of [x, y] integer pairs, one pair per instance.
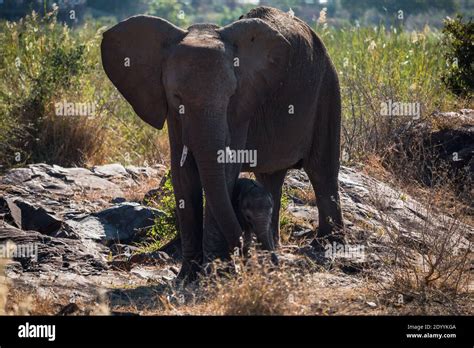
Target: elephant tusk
{"points": [[183, 155], [229, 154]]}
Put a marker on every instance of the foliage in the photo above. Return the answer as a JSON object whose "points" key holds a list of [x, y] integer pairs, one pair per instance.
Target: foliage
{"points": [[44, 62], [59, 63], [40, 61], [165, 227], [392, 6], [176, 12], [377, 65], [459, 39]]}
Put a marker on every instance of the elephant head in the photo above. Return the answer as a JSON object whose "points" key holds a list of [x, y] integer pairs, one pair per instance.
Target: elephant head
{"points": [[254, 207], [207, 78]]}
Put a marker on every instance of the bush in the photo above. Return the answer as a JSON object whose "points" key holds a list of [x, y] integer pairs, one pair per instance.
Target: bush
{"points": [[458, 40], [44, 63], [378, 65], [172, 10], [165, 226]]}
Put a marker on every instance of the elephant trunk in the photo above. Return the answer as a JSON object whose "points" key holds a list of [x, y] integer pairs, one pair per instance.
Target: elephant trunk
{"points": [[262, 229], [217, 187]]}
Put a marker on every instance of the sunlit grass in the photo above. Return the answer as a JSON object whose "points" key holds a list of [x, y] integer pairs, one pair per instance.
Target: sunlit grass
{"points": [[374, 65]]}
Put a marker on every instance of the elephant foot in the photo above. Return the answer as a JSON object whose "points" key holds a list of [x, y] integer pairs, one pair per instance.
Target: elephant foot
{"points": [[274, 258], [320, 244], [189, 272], [330, 233], [327, 237]]}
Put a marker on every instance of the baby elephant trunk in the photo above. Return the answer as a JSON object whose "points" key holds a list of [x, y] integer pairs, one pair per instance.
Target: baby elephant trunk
{"points": [[263, 232]]}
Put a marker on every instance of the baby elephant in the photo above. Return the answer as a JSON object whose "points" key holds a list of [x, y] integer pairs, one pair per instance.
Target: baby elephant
{"points": [[253, 206]]}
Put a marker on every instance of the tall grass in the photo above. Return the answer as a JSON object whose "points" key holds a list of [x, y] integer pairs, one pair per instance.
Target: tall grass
{"points": [[379, 64], [44, 62]]}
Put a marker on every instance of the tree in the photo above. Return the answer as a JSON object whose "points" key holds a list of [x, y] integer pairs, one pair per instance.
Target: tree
{"points": [[176, 12]]}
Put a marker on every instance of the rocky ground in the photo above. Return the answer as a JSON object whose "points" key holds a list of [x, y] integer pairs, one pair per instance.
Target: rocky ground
{"points": [[87, 224]]}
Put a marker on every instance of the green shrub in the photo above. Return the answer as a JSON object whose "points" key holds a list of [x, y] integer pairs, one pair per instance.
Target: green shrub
{"points": [[174, 11], [44, 62], [58, 63], [459, 43], [379, 64], [165, 227]]}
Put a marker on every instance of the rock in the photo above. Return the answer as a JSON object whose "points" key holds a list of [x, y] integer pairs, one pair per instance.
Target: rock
{"points": [[447, 143], [455, 147], [16, 176], [124, 249], [49, 254], [118, 200], [371, 304], [110, 170], [42, 178], [28, 217], [137, 172], [121, 223], [155, 257]]}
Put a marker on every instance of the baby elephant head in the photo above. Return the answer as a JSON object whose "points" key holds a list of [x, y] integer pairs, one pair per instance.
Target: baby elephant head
{"points": [[254, 207]]}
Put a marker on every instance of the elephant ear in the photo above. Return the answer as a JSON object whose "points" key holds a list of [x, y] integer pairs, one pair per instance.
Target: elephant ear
{"points": [[262, 52], [133, 53]]}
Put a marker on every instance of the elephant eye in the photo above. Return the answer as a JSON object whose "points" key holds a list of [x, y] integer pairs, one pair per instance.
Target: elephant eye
{"points": [[177, 97]]}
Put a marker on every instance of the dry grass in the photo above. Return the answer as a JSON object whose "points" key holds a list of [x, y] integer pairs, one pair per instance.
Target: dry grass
{"points": [[136, 193], [442, 197], [26, 301], [429, 265], [256, 287]]}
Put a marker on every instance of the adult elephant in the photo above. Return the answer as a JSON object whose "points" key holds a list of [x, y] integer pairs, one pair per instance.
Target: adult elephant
{"points": [[264, 84]]}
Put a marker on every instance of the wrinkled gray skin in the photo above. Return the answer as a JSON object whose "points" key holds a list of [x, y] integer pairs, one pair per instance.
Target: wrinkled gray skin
{"points": [[264, 83], [253, 206]]}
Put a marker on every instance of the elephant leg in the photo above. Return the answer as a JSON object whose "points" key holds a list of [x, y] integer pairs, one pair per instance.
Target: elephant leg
{"points": [[214, 243], [327, 199], [322, 164], [273, 183], [188, 195]]}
